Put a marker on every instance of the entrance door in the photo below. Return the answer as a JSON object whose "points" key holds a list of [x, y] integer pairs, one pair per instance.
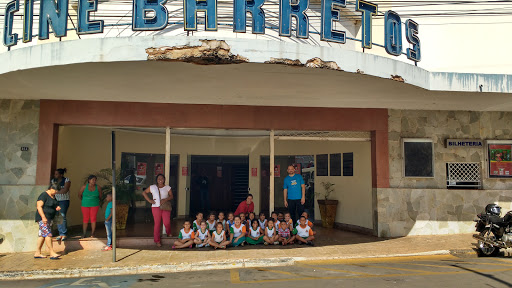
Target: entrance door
{"points": [[224, 179]]}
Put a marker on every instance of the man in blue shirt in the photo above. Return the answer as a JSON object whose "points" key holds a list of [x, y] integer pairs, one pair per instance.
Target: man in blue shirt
{"points": [[294, 193]]}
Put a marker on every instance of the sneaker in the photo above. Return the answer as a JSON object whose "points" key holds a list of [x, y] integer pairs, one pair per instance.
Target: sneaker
{"points": [[265, 243], [310, 243], [107, 248], [276, 243], [58, 238], [242, 244]]}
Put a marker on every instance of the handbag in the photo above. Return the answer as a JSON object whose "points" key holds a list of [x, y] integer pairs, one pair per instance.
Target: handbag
{"points": [[167, 205]]}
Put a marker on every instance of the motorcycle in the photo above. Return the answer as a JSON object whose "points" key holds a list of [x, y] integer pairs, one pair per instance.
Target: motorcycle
{"points": [[494, 232]]}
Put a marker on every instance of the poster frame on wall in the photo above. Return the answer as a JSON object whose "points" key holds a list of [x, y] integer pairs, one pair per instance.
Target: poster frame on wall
{"points": [[490, 170]]}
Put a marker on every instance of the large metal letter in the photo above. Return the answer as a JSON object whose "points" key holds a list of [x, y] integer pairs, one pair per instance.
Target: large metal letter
{"points": [[28, 20], [296, 9], [11, 8], [55, 14], [240, 10], [330, 13], [85, 25], [369, 9], [190, 16], [142, 20], [393, 33], [411, 34]]}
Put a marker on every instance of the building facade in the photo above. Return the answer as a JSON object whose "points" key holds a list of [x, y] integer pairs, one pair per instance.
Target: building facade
{"points": [[240, 108]]}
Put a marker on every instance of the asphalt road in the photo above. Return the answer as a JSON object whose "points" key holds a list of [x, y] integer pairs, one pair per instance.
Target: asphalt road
{"points": [[418, 271]]}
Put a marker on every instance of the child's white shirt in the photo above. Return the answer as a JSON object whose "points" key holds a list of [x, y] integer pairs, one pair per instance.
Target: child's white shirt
{"points": [[255, 233], [262, 224]]}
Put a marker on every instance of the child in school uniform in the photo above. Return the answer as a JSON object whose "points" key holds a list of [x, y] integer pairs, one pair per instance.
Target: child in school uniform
{"points": [[202, 236], [285, 235], [230, 222], [237, 233], [270, 236], [288, 220], [252, 216], [197, 223], [304, 233], [274, 217], [211, 222], [306, 215], [310, 224], [218, 237], [243, 220], [280, 218], [262, 221], [222, 220], [186, 237], [255, 234]]}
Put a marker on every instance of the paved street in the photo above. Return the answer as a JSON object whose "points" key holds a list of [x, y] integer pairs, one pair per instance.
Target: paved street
{"points": [[417, 271]]}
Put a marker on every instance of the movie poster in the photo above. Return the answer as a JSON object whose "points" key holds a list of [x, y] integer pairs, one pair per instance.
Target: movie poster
{"points": [[159, 168], [500, 164], [141, 168]]}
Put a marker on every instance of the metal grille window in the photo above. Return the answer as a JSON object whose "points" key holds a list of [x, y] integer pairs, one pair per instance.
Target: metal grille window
{"points": [[463, 175]]}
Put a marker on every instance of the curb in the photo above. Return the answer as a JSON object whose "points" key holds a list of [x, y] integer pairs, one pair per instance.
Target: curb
{"points": [[187, 267]]}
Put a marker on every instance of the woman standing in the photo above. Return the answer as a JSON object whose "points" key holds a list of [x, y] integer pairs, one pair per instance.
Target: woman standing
{"points": [[47, 207], [90, 194], [161, 194], [63, 185]]}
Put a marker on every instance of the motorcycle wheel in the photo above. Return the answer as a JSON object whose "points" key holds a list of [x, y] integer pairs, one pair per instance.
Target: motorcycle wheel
{"points": [[487, 250]]}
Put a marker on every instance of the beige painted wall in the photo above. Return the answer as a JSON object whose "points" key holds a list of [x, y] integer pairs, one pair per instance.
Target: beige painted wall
{"points": [[83, 150]]}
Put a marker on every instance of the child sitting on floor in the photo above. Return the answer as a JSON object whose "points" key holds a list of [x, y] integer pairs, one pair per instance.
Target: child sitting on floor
{"points": [[262, 221], [255, 234], [186, 237], [202, 236], [252, 216], [243, 220], [221, 220], [218, 239], [310, 224], [288, 220], [304, 233], [270, 236], [237, 233], [197, 223], [274, 217], [285, 235], [230, 222], [211, 222]]}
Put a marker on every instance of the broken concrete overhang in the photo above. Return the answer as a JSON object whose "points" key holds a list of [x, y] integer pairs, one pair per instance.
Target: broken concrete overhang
{"points": [[311, 63], [210, 52]]}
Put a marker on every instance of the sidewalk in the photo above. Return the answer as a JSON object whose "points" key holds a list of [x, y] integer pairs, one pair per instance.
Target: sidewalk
{"points": [[90, 261]]}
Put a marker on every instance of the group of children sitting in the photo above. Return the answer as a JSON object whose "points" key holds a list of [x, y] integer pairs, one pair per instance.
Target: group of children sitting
{"points": [[218, 232]]}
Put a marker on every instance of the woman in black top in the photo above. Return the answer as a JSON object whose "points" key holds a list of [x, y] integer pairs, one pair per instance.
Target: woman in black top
{"points": [[47, 207]]}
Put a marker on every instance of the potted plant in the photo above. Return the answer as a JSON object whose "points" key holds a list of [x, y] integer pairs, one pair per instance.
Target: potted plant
{"points": [[327, 206], [125, 194]]}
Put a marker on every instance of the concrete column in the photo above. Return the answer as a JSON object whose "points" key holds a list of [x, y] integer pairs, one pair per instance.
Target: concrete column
{"points": [[271, 196]]}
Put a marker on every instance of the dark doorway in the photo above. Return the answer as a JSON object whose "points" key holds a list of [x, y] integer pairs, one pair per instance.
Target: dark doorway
{"points": [[225, 179]]}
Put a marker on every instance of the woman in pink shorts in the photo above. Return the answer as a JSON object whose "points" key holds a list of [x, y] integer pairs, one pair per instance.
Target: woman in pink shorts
{"points": [[90, 194]]}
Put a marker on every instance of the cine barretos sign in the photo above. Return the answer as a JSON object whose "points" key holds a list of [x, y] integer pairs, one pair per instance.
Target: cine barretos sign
{"points": [[152, 15]]}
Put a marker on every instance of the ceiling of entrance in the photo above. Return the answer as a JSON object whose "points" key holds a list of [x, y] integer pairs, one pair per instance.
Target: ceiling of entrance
{"points": [[234, 84]]}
